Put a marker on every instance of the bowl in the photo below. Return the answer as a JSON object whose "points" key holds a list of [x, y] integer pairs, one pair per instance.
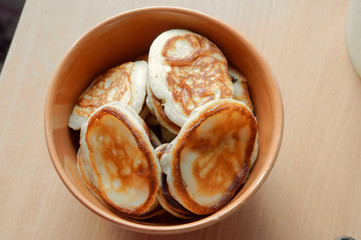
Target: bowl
{"points": [[125, 37]]}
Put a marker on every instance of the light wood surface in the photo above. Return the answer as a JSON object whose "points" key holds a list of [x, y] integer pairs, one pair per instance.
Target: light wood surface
{"points": [[314, 190]]}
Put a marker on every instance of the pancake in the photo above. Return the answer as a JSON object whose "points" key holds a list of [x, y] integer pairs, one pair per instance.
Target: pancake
{"points": [[158, 110], [117, 162], [254, 153], [241, 94], [210, 158], [124, 83], [186, 70], [149, 104], [85, 172], [165, 199], [240, 87]]}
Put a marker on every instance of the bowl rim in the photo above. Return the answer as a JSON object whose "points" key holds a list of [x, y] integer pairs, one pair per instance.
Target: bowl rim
{"points": [[275, 144]]}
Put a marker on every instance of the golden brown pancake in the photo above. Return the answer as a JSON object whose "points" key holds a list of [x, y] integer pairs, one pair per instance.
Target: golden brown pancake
{"points": [[240, 87], [165, 199], [117, 162], [124, 83], [84, 172], [209, 159], [86, 175], [158, 110], [186, 70]]}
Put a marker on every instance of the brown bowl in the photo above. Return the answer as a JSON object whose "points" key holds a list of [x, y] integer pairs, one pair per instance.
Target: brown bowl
{"points": [[124, 38]]}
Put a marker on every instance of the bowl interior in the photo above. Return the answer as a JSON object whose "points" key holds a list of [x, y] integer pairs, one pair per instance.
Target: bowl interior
{"points": [[124, 38]]}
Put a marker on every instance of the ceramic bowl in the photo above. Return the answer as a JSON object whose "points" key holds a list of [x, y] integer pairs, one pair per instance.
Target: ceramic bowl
{"points": [[124, 38]]}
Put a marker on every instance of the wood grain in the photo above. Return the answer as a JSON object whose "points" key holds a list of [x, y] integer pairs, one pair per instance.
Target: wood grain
{"points": [[314, 189]]}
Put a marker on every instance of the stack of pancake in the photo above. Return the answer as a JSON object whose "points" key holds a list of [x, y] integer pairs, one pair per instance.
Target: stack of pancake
{"points": [[172, 131]]}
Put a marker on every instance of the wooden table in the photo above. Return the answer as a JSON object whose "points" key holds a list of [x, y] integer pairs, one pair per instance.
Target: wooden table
{"points": [[314, 190]]}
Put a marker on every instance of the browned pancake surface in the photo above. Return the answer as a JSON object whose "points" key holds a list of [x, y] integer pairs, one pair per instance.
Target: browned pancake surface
{"points": [[165, 197], [221, 156], [193, 78], [101, 91], [126, 162], [160, 114]]}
